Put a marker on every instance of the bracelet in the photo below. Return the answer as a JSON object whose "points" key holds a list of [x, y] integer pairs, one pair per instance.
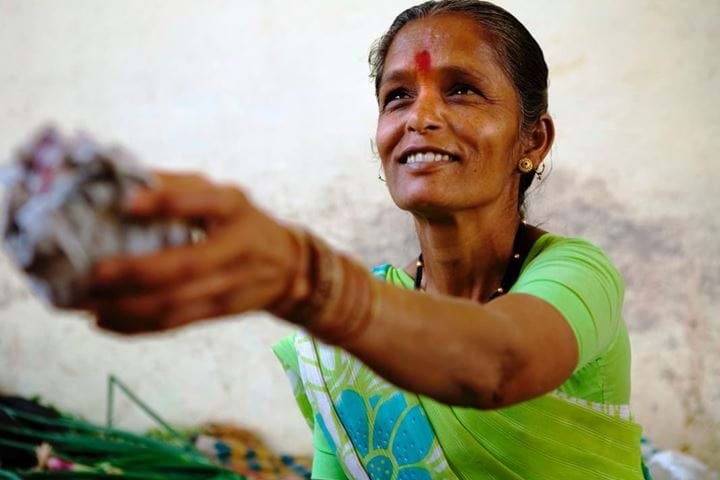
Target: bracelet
{"points": [[362, 301], [298, 287], [314, 285], [331, 296]]}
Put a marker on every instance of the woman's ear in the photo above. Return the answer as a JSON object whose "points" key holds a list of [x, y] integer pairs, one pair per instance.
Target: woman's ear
{"points": [[539, 140]]}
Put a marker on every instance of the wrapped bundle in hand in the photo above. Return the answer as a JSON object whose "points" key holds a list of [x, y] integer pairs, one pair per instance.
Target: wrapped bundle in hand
{"points": [[63, 212]]}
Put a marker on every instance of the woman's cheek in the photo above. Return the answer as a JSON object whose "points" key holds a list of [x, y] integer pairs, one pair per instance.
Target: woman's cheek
{"points": [[387, 136]]}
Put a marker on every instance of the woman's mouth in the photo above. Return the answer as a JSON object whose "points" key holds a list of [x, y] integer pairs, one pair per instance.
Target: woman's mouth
{"points": [[422, 160]]}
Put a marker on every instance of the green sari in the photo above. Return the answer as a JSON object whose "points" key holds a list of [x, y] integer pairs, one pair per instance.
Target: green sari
{"points": [[366, 428]]}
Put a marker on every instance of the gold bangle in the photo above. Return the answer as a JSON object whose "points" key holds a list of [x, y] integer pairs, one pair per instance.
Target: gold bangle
{"points": [[298, 286], [323, 276], [331, 296], [364, 313], [357, 305]]}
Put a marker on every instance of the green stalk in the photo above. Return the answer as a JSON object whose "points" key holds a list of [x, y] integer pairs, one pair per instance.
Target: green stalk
{"points": [[101, 452], [9, 475], [80, 425]]}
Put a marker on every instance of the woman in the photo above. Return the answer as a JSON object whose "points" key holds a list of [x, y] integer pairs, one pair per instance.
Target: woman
{"points": [[501, 353]]}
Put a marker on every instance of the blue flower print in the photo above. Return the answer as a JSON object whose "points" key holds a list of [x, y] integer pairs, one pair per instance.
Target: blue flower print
{"points": [[400, 440], [354, 416]]}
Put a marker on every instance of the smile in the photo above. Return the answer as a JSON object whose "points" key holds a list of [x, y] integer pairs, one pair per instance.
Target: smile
{"points": [[427, 157]]}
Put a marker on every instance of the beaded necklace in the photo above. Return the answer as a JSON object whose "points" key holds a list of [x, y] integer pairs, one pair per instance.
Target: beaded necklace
{"points": [[512, 271]]}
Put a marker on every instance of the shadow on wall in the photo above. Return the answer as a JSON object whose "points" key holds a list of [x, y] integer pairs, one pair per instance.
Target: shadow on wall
{"points": [[671, 268]]}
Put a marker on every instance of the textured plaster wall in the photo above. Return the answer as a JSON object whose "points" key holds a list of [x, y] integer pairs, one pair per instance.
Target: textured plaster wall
{"points": [[274, 95]]}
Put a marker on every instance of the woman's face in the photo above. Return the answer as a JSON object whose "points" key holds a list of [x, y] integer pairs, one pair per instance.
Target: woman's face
{"points": [[449, 127]]}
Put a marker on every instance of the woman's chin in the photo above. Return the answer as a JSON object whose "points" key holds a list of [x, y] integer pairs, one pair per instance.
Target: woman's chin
{"points": [[424, 204]]}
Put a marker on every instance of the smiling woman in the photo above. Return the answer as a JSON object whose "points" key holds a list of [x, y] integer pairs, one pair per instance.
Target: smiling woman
{"points": [[502, 353], [452, 98]]}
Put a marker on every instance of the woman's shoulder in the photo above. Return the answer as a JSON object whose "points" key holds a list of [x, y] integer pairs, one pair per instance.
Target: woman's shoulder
{"points": [[551, 248], [552, 241]]}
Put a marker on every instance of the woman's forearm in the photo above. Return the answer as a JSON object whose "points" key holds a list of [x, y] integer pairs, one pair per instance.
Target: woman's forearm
{"points": [[450, 349]]}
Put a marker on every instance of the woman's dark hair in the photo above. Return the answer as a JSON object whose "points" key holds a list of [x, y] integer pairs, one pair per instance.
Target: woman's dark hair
{"points": [[518, 53]]}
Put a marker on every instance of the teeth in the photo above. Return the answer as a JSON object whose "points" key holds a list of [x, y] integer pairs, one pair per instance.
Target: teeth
{"points": [[427, 157]]}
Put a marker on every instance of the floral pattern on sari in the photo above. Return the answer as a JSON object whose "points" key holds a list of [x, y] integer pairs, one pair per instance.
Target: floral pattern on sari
{"points": [[385, 427]]}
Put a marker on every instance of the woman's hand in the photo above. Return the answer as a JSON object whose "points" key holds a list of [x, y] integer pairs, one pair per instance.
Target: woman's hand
{"points": [[247, 262]]}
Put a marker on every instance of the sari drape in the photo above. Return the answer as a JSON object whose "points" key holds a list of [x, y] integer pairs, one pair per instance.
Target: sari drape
{"points": [[375, 431]]}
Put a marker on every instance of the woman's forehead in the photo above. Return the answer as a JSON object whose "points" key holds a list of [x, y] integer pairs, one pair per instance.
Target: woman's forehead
{"points": [[438, 41]]}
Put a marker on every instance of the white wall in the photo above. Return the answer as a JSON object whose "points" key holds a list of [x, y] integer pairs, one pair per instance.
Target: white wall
{"points": [[274, 95]]}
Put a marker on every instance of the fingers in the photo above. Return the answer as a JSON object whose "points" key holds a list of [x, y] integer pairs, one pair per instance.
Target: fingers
{"points": [[170, 182], [204, 202], [159, 303], [173, 265], [202, 300], [242, 265], [175, 180], [166, 310], [131, 325]]}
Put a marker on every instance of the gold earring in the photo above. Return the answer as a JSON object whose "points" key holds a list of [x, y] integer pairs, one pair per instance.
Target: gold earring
{"points": [[525, 165]]}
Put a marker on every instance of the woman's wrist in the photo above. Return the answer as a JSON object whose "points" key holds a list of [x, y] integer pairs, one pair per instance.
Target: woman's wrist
{"points": [[330, 295], [298, 278], [350, 308]]}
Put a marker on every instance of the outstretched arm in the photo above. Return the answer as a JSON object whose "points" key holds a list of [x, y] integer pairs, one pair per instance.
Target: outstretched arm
{"points": [[454, 350]]}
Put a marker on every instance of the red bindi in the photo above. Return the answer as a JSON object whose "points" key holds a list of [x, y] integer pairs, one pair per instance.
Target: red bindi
{"points": [[423, 61]]}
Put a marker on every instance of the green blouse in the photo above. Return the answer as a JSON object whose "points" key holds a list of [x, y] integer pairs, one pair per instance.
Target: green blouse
{"points": [[579, 280]]}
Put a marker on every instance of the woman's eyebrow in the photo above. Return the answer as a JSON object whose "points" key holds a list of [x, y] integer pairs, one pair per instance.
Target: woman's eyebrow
{"points": [[397, 76], [450, 71], [462, 73]]}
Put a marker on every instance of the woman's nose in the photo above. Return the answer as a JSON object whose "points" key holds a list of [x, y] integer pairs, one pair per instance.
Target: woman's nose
{"points": [[425, 114]]}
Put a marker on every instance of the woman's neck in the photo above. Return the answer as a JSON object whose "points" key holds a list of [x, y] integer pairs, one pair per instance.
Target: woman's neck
{"points": [[467, 253]]}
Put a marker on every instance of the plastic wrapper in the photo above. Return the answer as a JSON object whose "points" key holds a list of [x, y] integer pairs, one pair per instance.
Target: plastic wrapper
{"points": [[62, 212], [670, 465]]}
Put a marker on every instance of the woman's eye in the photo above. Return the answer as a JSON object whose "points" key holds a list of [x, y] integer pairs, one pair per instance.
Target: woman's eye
{"points": [[463, 90], [397, 94]]}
